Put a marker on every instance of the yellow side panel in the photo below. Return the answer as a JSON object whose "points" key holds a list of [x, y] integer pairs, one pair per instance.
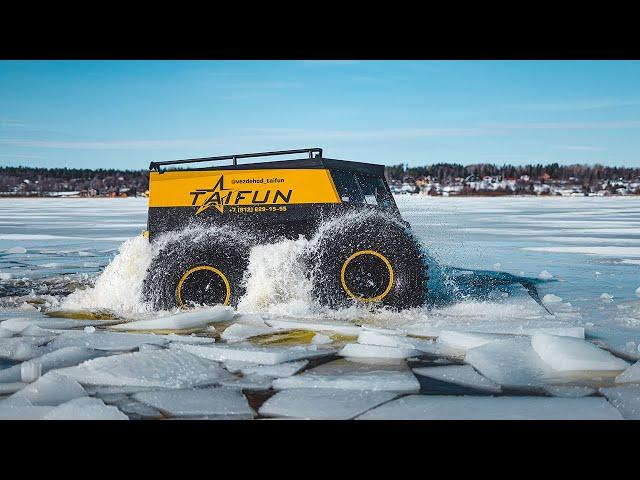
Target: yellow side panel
{"points": [[211, 188]]}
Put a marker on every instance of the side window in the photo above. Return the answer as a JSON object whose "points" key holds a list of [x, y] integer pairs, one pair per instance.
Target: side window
{"points": [[374, 191], [347, 186]]}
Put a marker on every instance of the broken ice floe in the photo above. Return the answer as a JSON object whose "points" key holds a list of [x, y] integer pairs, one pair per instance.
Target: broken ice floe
{"points": [[239, 332], [359, 350], [626, 399], [86, 408], [210, 402], [462, 375], [17, 325], [161, 368], [569, 391], [437, 407], [348, 375], [572, 354], [630, 375], [108, 341], [64, 357], [181, 321], [343, 328], [323, 404], [280, 370], [251, 353], [23, 348], [50, 389]]}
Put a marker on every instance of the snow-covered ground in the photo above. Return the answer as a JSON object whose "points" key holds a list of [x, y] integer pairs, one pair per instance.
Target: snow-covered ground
{"points": [[482, 338]]}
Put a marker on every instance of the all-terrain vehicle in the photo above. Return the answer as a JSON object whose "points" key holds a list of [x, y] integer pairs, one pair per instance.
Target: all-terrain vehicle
{"points": [[361, 249]]}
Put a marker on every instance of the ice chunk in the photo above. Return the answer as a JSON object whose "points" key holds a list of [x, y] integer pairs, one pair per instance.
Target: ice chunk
{"points": [[463, 375], [89, 329], [5, 333], [346, 375], [638, 291], [248, 382], [436, 407], [511, 363], [30, 371], [22, 348], [65, 357], [322, 404], [396, 339], [86, 408], [36, 331], [572, 354], [343, 328], [570, 391], [226, 402], [544, 275], [23, 412], [465, 340], [359, 350], [630, 375], [251, 353], [138, 410], [161, 368], [180, 321], [17, 325], [280, 370], [174, 338], [320, 339], [551, 298], [606, 297], [108, 341], [51, 390], [13, 387], [626, 399], [14, 250], [239, 332], [497, 266]]}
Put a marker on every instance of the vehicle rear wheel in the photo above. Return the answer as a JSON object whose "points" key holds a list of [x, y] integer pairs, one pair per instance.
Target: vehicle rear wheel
{"points": [[374, 261], [188, 273]]}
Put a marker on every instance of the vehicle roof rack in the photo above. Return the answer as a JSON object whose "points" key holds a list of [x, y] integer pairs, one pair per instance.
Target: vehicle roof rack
{"points": [[318, 151]]}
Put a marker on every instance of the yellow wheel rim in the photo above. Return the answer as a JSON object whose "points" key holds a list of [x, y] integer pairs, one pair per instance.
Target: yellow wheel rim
{"points": [[375, 254], [197, 269]]}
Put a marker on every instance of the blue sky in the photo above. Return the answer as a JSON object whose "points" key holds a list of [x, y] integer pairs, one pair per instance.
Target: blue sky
{"points": [[124, 114]]}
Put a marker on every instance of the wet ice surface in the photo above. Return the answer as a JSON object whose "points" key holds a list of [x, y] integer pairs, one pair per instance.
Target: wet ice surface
{"points": [[534, 312]]}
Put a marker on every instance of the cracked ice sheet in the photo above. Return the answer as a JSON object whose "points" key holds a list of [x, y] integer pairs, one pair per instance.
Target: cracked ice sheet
{"points": [[209, 402], [108, 341], [463, 375], [251, 353], [85, 408], [437, 407], [349, 375], [626, 399], [180, 321], [239, 332], [65, 357], [49, 390], [323, 404], [157, 368]]}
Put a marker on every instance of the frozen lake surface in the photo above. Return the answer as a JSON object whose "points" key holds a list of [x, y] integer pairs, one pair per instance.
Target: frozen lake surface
{"points": [[534, 312]]}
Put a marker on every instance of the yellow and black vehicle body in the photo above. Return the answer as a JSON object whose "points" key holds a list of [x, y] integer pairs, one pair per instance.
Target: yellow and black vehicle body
{"points": [[367, 255]]}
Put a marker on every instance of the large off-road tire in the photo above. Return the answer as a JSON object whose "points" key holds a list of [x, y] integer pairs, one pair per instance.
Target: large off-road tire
{"points": [[372, 260], [205, 272]]}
